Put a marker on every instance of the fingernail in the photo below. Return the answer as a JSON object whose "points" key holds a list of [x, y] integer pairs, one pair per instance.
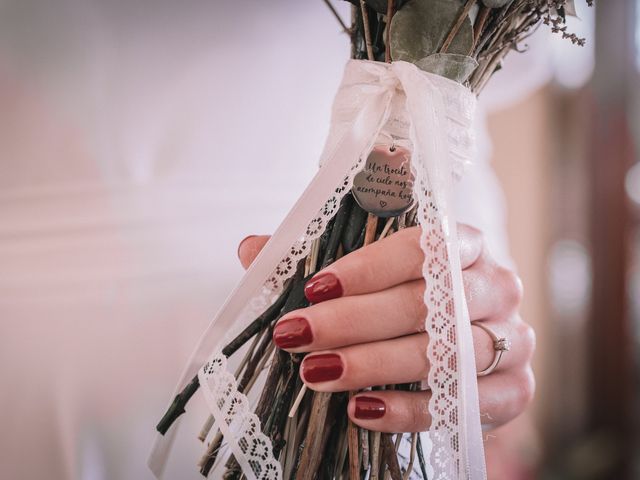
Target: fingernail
{"points": [[323, 286], [369, 408], [242, 242], [292, 333], [322, 368]]}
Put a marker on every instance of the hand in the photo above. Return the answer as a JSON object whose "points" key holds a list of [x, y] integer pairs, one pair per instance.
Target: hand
{"points": [[366, 328]]}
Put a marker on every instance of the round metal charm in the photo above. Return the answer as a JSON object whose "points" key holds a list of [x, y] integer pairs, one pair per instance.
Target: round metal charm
{"points": [[384, 187]]}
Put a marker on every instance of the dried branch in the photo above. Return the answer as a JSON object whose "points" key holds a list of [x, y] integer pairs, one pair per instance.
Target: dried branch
{"points": [[387, 44], [345, 29], [464, 15], [367, 31]]}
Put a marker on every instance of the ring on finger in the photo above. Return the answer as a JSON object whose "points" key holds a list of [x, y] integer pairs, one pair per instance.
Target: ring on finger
{"points": [[500, 346]]}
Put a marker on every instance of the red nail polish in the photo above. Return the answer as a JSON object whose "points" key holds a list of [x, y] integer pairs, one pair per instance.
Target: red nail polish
{"points": [[323, 286], [292, 333], [369, 408], [322, 368]]}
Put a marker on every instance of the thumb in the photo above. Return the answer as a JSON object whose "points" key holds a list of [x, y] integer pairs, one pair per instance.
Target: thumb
{"points": [[250, 247]]}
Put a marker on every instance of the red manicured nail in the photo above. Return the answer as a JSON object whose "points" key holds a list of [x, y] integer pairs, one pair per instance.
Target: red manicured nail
{"points": [[322, 368], [323, 286], [292, 333], [369, 408]]}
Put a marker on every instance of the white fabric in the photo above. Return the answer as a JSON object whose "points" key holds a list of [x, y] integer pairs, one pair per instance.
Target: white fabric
{"points": [[437, 116], [130, 167]]}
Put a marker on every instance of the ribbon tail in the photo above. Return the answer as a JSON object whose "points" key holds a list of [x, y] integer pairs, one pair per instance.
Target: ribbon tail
{"points": [[458, 451], [339, 164]]}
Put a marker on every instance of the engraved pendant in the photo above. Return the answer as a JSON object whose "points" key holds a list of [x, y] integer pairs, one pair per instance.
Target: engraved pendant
{"points": [[384, 187]]}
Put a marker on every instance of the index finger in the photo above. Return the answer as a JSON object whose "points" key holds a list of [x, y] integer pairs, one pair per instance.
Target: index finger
{"points": [[394, 260]]}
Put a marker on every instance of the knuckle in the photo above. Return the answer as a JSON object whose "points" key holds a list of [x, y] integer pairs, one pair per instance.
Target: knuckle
{"points": [[471, 234], [412, 237], [512, 287], [528, 340], [420, 347], [525, 385], [413, 300], [356, 265], [371, 361], [416, 415]]}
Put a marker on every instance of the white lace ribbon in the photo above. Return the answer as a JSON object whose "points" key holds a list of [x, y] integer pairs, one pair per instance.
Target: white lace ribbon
{"points": [[438, 113]]}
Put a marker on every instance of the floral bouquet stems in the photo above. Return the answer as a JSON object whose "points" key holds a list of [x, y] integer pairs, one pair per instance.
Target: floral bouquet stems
{"points": [[310, 432]]}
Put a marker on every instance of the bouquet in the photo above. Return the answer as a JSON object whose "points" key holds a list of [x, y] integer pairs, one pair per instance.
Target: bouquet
{"points": [[401, 133]]}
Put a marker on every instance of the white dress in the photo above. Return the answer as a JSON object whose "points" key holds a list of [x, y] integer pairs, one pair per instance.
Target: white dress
{"points": [[139, 142]]}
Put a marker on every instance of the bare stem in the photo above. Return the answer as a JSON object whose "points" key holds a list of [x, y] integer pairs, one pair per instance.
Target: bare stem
{"points": [[370, 231], [354, 449], [464, 14], [312, 453], [387, 49], [345, 29], [391, 457], [367, 31], [481, 19], [375, 455]]}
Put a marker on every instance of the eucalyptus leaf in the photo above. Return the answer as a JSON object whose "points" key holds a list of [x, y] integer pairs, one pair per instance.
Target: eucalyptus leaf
{"points": [[419, 29], [496, 3], [451, 65]]}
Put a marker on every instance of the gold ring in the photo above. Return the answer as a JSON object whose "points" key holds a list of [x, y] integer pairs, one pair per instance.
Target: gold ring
{"points": [[500, 345]]}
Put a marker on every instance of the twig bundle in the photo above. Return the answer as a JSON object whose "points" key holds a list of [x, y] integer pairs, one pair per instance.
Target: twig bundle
{"points": [[310, 432]]}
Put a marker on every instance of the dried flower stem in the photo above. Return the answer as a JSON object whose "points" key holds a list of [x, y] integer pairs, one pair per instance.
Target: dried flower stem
{"points": [[375, 455], [370, 231], [206, 428], [367, 31], [412, 456], [387, 43], [312, 453], [478, 26], [354, 447], [345, 29], [364, 444], [464, 14], [390, 457], [387, 228]]}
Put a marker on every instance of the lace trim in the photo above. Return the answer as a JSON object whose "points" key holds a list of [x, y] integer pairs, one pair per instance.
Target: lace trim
{"points": [[233, 415], [232, 409], [442, 350]]}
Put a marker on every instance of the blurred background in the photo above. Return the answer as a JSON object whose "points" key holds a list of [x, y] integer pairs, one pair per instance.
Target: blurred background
{"points": [[573, 195], [140, 141]]}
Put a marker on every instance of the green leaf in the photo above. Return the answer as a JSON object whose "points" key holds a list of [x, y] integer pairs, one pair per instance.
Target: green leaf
{"points": [[451, 65], [419, 29]]}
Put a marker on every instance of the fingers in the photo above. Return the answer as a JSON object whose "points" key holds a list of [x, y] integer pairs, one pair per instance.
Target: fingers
{"points": [[492, 293], [520, 336], [400, 360], [491, 290], [391, 313], [398, 256], [404, 359], [250, 247], [503, 396]]}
